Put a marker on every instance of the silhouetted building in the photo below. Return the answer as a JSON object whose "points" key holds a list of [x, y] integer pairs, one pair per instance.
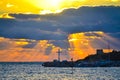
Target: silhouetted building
{"points": [[99, 51]]}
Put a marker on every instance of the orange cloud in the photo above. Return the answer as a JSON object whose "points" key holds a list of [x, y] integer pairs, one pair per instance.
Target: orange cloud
{"points": [[13, 50], [85, 43], [81, 45]]}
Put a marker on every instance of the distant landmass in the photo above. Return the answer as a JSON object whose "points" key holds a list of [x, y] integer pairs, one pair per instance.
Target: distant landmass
{"points": [[100, 59]]}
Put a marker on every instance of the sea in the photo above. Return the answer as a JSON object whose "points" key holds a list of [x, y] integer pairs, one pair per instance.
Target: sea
{"points": [[35, 71]]}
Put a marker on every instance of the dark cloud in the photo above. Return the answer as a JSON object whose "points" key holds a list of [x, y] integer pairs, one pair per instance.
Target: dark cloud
{"points": [[56, 26]]}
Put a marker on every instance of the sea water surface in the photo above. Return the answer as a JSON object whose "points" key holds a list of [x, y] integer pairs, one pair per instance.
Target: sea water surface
{"points": [[34, 71]]}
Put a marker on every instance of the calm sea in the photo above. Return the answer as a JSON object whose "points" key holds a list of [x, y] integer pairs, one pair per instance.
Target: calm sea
{"points": [[34, 71]]}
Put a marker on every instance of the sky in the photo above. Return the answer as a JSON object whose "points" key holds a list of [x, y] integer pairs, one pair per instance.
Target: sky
{"points": [[49, 6], [35, 30]]}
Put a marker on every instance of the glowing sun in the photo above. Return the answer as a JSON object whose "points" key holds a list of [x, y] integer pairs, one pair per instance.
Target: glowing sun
{"points": [[47, 6]]}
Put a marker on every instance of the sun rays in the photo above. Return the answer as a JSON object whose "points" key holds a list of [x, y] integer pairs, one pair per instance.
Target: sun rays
{"points": [[86, 43]]}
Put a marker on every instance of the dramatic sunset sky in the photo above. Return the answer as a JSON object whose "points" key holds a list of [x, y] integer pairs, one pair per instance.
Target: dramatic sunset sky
{"points": [[34, 30]]}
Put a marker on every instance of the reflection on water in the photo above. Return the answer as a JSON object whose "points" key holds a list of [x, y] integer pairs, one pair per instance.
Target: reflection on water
{"points": [[36, 72]]}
